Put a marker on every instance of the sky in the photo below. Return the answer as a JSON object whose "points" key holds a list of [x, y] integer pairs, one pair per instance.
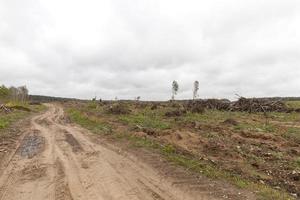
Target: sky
{"points": [[126, 48]]}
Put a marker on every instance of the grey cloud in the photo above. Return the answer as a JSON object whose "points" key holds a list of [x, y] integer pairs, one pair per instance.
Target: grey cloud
{"points": [[125, 49]]}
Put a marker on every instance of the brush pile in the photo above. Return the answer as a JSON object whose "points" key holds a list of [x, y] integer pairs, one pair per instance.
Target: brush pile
{"points": [[243, 104], [259, 105], [199, 105]]}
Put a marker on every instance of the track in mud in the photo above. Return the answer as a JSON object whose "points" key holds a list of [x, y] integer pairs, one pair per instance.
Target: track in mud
{"points": [[58, 161]]}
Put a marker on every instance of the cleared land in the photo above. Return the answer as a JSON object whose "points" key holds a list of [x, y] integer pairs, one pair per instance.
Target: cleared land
{"points": [[252, 151], [144, 150], [54, 159]]}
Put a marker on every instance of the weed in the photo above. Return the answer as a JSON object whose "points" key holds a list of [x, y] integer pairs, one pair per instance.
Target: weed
{"points": [[146, 121], [88, 123], [292, 133]]}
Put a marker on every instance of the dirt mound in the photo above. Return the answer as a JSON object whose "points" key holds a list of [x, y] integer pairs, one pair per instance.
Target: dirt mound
{"points": [[118, 108]]}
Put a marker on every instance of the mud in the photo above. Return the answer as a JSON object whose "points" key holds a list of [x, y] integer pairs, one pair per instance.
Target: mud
{"points": [[31, 145]]}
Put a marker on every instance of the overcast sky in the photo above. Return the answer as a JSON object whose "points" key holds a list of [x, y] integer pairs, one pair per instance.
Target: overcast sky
{"points": [[125, 48]]}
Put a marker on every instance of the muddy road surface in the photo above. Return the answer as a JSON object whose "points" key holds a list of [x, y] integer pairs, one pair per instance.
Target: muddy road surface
{"points": [[57, 160]]}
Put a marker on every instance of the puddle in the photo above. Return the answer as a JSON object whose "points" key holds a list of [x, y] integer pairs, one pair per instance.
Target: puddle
{"points": [[31, 146]]}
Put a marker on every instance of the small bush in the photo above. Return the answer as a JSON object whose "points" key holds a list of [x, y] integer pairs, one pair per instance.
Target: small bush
{"points": [[118, 109], [175, 113]]}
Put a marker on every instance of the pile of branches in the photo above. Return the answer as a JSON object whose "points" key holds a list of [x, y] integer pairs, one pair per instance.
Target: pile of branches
{"points": [[198, 106], [243, 104], [5, 109], [259, 105]]}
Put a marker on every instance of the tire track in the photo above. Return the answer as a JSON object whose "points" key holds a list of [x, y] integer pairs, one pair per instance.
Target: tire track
{"points": [[70, 166]]}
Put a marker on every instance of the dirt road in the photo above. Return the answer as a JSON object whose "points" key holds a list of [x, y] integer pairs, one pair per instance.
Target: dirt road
{"points": [[57, 160]]}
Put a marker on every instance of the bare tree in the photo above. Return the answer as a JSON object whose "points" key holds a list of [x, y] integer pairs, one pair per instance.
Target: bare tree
{"points": [[195, 90], [13, 91], [175, 88], [22, 93], [19, 93]]}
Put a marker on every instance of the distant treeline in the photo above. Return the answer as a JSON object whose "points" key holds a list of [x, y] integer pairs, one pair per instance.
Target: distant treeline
{"points": [[16, 94], [45, 99], [281, 98]]}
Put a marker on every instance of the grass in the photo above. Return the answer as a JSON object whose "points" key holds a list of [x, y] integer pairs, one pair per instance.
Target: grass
{"points": [[6, 119], [213, 116], [91, 124], [293, 104], [292, 133], [175, 156], [146, 121], [297, 162]]}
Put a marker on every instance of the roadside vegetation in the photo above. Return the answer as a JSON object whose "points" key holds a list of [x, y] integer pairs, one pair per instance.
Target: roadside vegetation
{"points": [[15, 105], [250, 150]]}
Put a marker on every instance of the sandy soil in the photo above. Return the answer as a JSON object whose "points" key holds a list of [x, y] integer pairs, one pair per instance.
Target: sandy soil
{"points": [[58, 160]]}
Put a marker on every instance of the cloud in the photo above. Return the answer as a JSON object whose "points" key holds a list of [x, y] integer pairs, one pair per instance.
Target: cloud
{"points": [[120, 48]]}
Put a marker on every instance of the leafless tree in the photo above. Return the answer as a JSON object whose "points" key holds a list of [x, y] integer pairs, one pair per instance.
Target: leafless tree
{"points": [[23, 93], [13, 91], [19, 93]]}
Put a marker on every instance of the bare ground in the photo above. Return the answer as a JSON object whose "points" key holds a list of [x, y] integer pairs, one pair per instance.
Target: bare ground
{"points": [[57, 160]]}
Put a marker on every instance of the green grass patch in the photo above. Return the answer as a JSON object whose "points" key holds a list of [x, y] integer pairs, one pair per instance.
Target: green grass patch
{"points": [[146, 121], [292, 133], [293, 104], [297, 162], [6, 119], [214, 116], [257, 127], [89, 123]]}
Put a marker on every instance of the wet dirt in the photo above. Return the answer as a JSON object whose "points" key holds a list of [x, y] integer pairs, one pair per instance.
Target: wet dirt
{"points": [[31, 145]]}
